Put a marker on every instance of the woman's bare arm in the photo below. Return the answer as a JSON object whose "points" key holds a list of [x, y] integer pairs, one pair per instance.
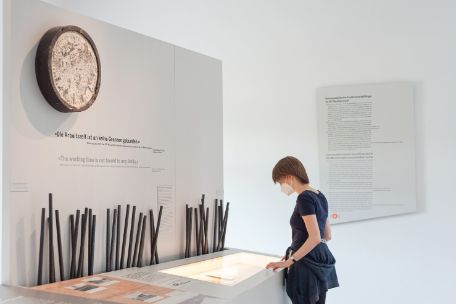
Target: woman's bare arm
{"points": [[327, 235], [314, 236], [312, 241]]}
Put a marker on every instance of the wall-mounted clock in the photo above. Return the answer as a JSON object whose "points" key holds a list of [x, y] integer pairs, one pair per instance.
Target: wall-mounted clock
{"points": [[67, 67]]}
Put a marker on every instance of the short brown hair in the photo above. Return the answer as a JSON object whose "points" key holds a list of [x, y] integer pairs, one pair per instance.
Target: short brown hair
{"points": [[290, 166]]}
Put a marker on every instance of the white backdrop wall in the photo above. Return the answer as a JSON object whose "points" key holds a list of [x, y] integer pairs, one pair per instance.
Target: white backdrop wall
{"points": [[167, 97], [1, 122], [275, 55]]}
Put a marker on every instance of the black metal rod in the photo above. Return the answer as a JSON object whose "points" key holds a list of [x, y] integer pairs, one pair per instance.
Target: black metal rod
{"points": [[190, 215], [196, 231], [113, 238], [221, 214], [108, 236], [186, 231], [89, 240], [157, 261], [200, 229], [92, 245], [202, 220], [71, 239], [225, 224], [157, 230], [80, 261], [138, 235], [118, 237], [40, 256], [82, 245], [189, 233], [51, 243], [152, 233], [189, 226], [214, 236], [49, 262], [130, 240], [220, 232], [220, 217], [220, 226], [204, 239], [201, 232], [204, 233], [124, 240], [141, 246], [205, 214], [221, 244], [74, 246], [206, 229], [59, 246]]}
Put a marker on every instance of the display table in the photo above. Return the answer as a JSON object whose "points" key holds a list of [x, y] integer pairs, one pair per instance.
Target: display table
{"points": [[230, 276]]}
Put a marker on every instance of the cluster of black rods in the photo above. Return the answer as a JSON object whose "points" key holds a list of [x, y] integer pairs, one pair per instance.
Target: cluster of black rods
{"points": [[76, 263], [134, 255], [87, 226], [202, 227]]}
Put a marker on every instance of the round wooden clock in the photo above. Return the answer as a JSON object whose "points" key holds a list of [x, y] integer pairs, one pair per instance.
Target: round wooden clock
{"points": [[67, 67]]}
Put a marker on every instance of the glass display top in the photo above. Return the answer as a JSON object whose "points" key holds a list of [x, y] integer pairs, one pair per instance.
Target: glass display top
{"points": [[226, 270]]}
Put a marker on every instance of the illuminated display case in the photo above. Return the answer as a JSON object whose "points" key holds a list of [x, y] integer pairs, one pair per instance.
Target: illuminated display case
{"points": [[229, 276], [225, 270]]}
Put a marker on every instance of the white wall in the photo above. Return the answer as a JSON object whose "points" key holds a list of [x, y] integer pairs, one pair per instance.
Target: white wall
{"points": [[1, 124], [275, 55], [174, 100]]}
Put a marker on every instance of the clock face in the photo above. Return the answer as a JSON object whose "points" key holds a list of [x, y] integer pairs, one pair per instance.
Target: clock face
{"points": [[74, 69], [68, 69]]}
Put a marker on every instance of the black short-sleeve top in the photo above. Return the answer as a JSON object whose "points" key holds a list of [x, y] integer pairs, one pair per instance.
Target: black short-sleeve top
{"points": [[307, 203]]}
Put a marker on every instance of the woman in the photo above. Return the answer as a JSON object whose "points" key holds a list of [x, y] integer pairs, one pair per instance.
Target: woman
{"points": [[310, 264]]}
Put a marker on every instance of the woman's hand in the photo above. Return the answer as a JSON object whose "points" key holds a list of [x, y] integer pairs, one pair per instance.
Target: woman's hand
{"points": [[281, 264]]}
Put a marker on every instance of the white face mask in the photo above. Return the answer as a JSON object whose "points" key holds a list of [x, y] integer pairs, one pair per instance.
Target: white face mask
{"points": [[287, 189]]}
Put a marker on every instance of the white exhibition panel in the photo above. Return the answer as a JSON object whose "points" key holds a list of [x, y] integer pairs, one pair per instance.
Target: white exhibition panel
{"points": [[367, 150], [166, 98], [199, 138]]}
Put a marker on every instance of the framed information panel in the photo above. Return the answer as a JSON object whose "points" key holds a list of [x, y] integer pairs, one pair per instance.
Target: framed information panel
{"points": [[367, 150]]}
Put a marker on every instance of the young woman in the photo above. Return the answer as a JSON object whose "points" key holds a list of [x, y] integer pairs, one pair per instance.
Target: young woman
{"points": [[310, 265]]}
